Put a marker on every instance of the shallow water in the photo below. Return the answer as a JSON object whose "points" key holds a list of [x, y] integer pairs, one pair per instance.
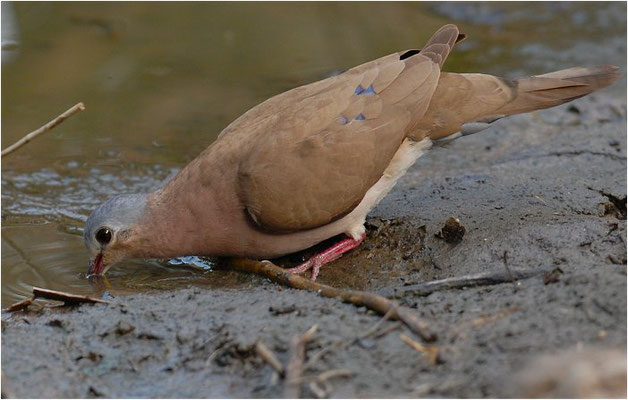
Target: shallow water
{"points": [[161, 80]]}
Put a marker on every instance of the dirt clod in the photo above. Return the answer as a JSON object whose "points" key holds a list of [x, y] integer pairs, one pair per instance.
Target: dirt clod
{"points": [[552, 276], [616, 206], [452, 232]]}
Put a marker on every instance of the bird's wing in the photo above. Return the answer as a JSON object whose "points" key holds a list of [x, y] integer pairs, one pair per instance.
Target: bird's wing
{"points": [[313, 152]]}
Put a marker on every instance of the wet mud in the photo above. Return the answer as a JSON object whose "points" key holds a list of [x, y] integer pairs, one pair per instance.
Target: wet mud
{"points": [[539, 191]]}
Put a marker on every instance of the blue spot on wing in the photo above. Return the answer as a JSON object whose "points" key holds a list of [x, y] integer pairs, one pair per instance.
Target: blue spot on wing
{"points": [[368, 90], [360, 117], [360, 90]]}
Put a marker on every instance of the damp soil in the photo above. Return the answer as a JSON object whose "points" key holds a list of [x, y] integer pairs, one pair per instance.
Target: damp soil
{"points": [[545, 190]]}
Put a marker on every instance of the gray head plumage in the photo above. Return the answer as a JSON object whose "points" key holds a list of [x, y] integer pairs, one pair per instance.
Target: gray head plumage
{"points": [[117, 214]]}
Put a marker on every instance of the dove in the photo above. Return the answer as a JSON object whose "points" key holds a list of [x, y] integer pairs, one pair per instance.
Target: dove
{"points": [[310, 163]]}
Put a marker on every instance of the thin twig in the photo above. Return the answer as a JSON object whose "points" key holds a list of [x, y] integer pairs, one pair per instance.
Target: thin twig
{"points": [[379, 323], [431, 352], [318, 391], [333, 373], [320, 385], [67, 298], [78, 107], [462, 329], [294, 368], [467, 281], [215, 354], [392, 327], [268, 356], [485, 319], [373, 331], [20, 305], [317, 356], [323, 376], [372, 301], [515, 284]]}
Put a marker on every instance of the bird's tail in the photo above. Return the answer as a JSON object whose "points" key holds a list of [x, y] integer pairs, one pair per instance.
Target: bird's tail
{"points": [[482, 99], [549, 90]]}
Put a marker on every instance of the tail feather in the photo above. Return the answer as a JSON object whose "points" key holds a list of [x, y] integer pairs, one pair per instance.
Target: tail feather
{"points": [[555, 88]]}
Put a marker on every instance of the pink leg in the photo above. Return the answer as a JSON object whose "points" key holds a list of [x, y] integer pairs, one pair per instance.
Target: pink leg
{"points": [[333, 253]]}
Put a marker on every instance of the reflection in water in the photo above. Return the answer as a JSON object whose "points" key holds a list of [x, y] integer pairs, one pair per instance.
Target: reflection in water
{"points": [[10, 37], [37, 255], [156, 97]]}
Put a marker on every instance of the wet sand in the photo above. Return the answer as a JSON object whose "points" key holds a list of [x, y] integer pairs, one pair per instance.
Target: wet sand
{"points": [[539, 191]]}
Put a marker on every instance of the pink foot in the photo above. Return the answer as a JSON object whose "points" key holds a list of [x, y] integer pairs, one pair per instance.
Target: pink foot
{"points": [[333, 253]]}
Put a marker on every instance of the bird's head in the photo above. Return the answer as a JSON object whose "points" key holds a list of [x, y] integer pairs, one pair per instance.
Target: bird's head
{"points": [[110, 230]]}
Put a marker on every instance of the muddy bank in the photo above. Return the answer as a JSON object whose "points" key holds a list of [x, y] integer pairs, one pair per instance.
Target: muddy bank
{"points": [[546, 190]]}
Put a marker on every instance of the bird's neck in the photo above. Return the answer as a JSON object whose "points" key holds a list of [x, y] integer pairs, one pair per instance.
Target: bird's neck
{"points": [[179, 223]]}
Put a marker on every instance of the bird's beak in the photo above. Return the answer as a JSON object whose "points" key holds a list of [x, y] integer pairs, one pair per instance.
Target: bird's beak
{"points": [[96, 267]]}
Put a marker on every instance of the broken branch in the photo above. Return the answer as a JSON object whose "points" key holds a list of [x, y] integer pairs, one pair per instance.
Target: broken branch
{"points": [[268, 356], [431, 352], [294, 368], [318, 391], [379, 323], [67, 298], [467, 281], [320, 385], [78, 107], [385, 331], [372, 301], [20, 305], [485, 319]]}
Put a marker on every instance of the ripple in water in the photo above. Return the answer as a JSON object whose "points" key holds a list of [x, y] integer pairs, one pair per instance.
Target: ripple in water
{"points": [[56, 195]]}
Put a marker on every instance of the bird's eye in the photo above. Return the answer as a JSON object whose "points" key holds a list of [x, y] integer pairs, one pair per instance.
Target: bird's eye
{"points": [[103, 235]]}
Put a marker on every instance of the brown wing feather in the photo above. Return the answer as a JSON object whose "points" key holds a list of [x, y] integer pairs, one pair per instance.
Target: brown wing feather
{"points": [[313, 152]]}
